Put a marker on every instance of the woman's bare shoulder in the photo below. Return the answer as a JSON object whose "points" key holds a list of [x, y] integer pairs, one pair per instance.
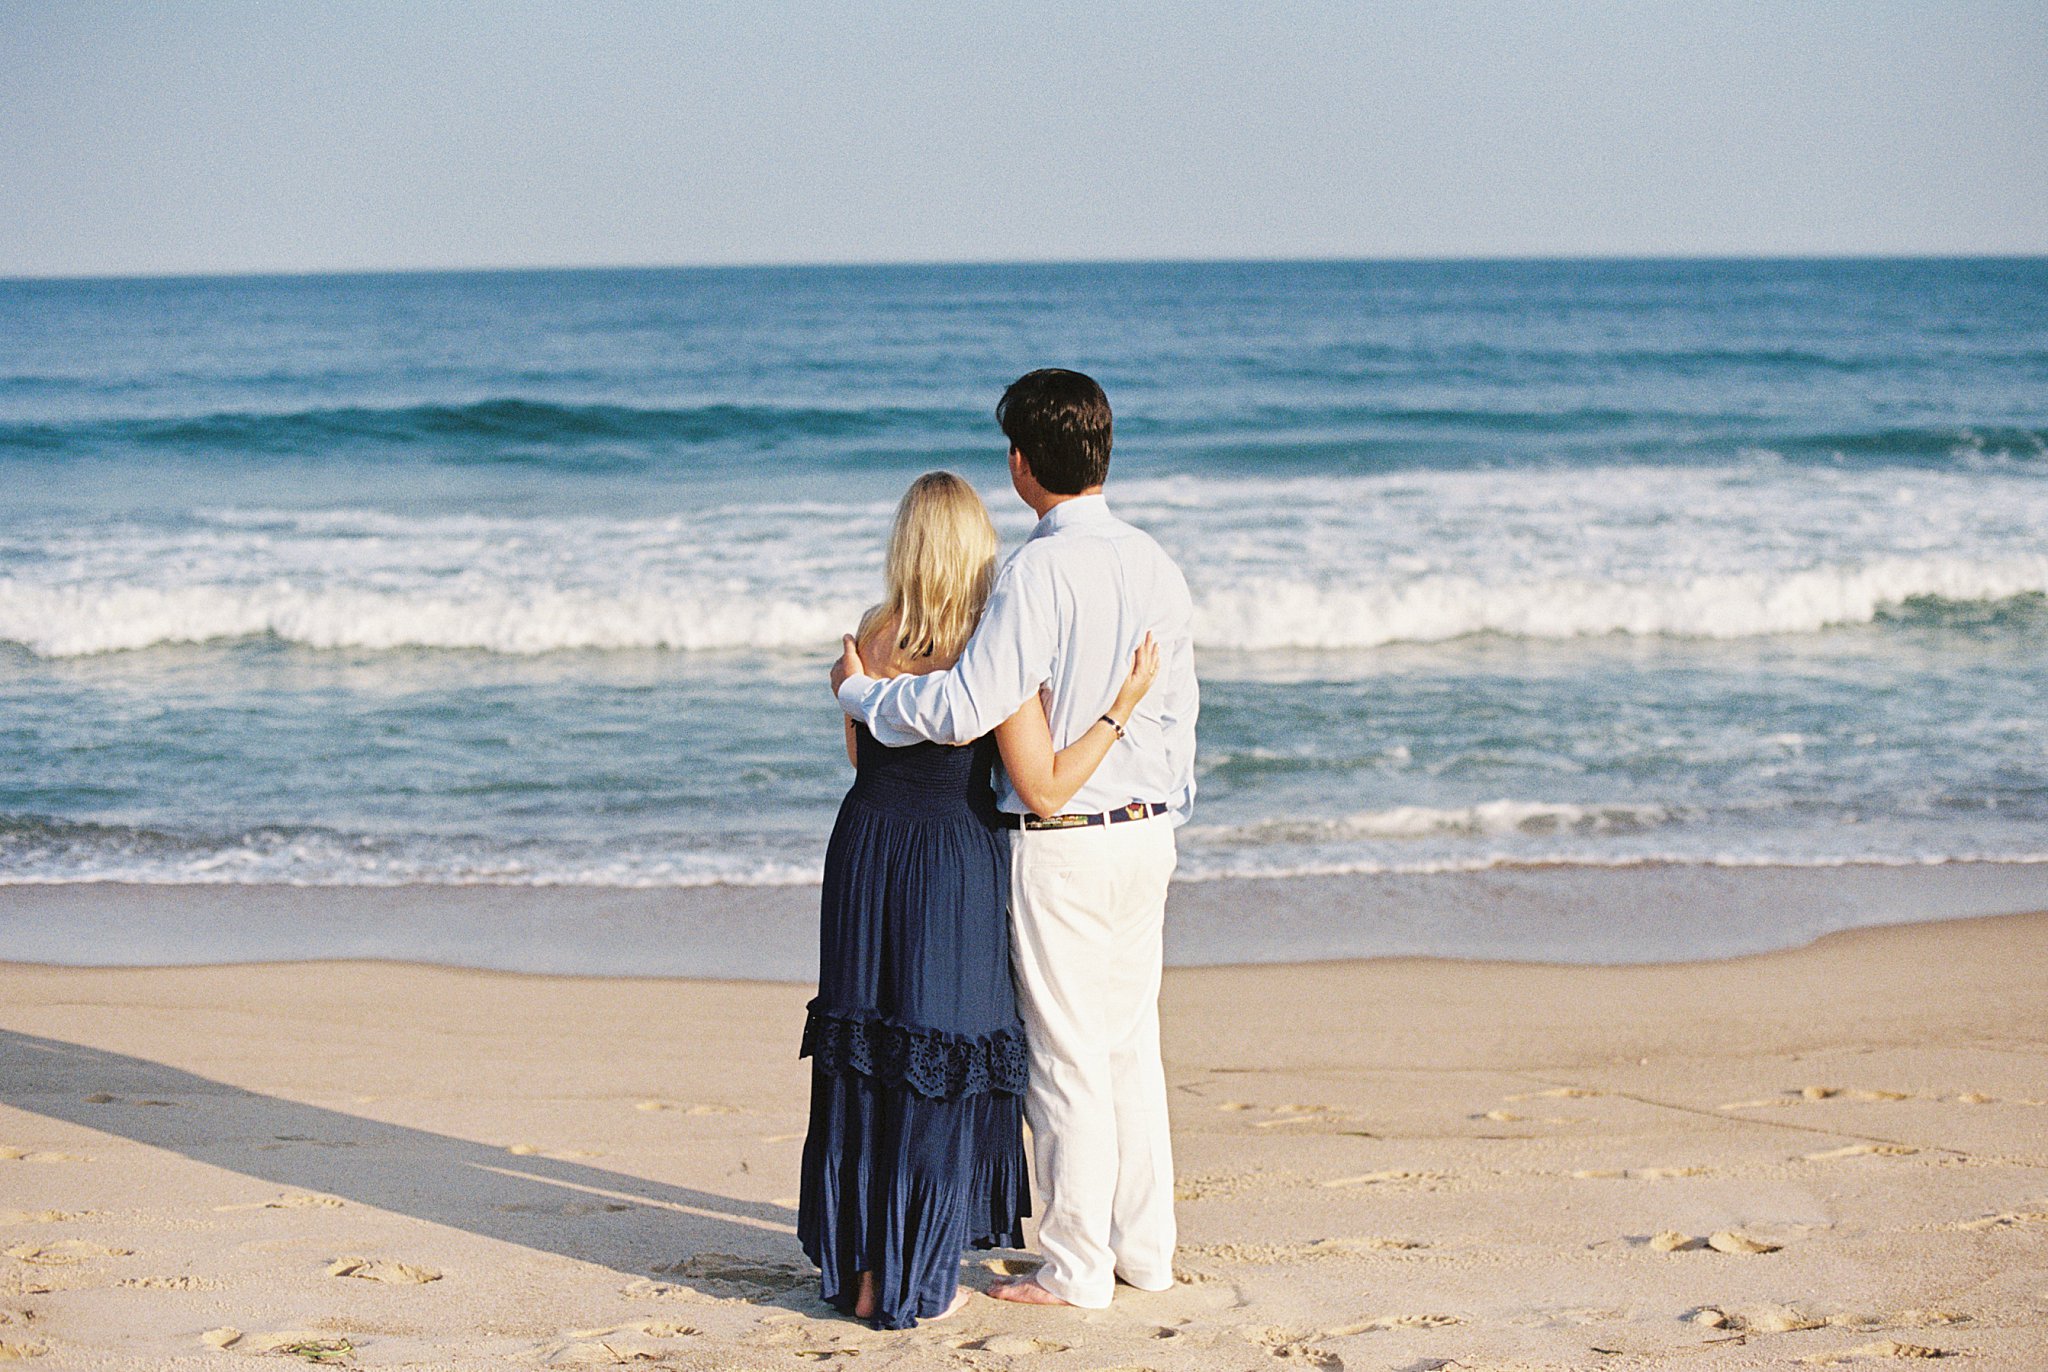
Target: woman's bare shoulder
{"points": [[877, 644], [884, 657]]}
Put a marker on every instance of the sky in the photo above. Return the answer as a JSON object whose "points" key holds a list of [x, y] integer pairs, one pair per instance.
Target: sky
{"points": [[215, 136]]}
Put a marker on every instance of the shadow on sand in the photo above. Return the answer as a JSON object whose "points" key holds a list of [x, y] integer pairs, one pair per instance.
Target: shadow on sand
{"points": [[651, 1231]]}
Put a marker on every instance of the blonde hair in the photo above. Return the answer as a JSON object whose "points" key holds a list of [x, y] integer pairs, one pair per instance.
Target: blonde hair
{"points": [[942, 560]]}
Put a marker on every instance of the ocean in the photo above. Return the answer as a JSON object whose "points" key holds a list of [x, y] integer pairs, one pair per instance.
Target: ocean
{"points": [[532, 578]]}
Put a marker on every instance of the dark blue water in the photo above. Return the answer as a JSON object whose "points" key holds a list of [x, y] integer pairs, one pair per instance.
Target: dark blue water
{"points": [[529, 577]]}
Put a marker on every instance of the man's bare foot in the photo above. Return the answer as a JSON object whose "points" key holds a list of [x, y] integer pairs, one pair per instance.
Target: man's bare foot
{"points": [[961, 1295], [864, 1300], [1025, 1292]]}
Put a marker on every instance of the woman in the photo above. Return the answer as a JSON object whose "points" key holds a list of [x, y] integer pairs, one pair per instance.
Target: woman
{"points": [[915, 1150]]}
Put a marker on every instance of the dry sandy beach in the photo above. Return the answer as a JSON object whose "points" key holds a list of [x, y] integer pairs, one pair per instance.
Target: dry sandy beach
{"points": [[1832, 1154]]}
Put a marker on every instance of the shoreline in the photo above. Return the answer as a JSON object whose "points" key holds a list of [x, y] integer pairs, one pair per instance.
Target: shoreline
{"points": [[1563, 915], [1395, 1163], [1437, 961]]}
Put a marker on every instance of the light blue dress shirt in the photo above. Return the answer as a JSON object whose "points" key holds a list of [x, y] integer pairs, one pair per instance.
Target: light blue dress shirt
{"points": [[1065, 614]]}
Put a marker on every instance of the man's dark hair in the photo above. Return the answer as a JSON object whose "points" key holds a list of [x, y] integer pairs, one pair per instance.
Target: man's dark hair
{"points": [[1060, 421]]}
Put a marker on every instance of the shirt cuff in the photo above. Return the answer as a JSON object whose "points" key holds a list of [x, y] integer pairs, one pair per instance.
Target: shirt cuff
{"points": [[850, 692]]}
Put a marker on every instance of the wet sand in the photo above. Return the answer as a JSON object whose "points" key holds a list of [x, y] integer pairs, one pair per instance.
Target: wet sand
{"points": [[1658, 912]]}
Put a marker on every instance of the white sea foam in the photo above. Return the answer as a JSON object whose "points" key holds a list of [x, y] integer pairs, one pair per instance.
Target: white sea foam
{"points": [[1253, 866], [1314, 563], [1268, 614], [69, 855], [74, 620], [314, 865], [1495, 818]]}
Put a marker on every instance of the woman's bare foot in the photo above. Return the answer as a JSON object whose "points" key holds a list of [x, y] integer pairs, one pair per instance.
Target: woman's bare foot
{"points": [[864, 1300], [961, 1295], [1025, 1292]]}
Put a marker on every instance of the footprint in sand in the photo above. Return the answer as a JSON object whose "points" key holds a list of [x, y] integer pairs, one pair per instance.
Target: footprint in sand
{"points": [[806, 1341], [1009, 1345], [1927, 1319], [1510, 1117], [1721, 1241], [309, 1345], [1270, 1254], [1190, 1186], [2002, 1221], [1386, 1175], [1975, 1098], [1293, 1345], [384, 1270], [1671, 1241], [1858, 1150], [729, 1274], [227, 1336], [1883, 1348], [780, 1138], [1662, 1173], [41, 1216], [647, 1289], [1735, 1241], [178, 1283], [644, 1327], [291, 1200], [1371, 1326], [11, 1352], [1779, 1319], [1554, 1093], [1798, 1095], [566, 1208], [10, 1153], [608, 1352], [65, 1252]]}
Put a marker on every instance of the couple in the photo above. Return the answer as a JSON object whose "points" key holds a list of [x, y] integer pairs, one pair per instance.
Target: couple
{"points": [[990, 942]]}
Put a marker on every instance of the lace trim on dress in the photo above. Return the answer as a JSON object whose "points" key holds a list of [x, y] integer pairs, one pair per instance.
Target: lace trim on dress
{"points": [[931, 1062]]}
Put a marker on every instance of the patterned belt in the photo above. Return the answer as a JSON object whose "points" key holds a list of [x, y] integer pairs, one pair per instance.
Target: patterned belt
{"points": [[1137, 809]]}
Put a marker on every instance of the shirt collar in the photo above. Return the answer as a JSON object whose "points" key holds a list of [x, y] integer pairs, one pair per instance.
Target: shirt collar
{"points": [[1082, 509]]}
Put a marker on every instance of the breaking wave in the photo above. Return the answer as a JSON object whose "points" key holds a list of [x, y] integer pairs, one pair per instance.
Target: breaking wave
{"points": [[1256, 615]]}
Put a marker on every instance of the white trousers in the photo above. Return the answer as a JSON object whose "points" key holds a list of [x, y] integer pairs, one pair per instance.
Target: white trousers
{"points": [[1087, 911]]}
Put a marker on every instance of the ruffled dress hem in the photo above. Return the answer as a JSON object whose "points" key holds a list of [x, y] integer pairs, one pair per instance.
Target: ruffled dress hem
{"points": [[934, 1063]]}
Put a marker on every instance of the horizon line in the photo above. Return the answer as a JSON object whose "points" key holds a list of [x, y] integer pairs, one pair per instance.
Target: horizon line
{"points": [[276, 274]]}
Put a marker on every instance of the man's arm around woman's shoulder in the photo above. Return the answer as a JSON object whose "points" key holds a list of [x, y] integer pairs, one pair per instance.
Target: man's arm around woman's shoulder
{"points": [[1010, 654]]}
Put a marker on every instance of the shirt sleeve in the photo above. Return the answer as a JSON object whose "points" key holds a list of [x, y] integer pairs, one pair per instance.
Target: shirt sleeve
{"points": [[1010, 655], [1179, 703]]}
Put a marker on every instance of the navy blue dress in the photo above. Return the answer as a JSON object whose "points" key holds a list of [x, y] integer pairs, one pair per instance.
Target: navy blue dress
{"points": [[918, 1066]]}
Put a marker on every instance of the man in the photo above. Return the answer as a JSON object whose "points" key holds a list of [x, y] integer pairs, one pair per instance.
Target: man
{"points": [[1088, 887]]}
